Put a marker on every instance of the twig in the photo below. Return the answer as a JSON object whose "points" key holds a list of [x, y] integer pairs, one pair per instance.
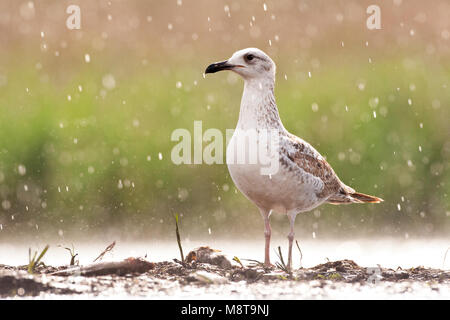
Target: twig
{"points": [[281, 266], [445, 257], [73, 255], [127, 266], [178, 238], [108, 248], [256, 263], [301, 254]]}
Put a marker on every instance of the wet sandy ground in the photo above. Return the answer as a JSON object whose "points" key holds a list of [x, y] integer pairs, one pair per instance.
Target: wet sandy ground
{"points": [[209, 274], [388, 252]]}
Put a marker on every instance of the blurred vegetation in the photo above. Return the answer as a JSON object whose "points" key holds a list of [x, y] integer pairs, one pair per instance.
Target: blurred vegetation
{"points": [[85, 147]]}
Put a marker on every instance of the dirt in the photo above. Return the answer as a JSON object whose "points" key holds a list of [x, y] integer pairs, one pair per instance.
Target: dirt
{"points": [[207, 274]]}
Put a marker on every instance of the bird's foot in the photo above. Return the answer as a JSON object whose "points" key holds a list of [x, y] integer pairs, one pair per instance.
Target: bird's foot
{"points": [[268, 265]]}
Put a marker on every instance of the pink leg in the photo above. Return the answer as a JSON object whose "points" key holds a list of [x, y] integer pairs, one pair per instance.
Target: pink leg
{"points": [[267, 233], [291, 239]]}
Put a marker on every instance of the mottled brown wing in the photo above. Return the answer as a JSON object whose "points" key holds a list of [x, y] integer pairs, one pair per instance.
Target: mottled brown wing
{"points": [[308, 159]]}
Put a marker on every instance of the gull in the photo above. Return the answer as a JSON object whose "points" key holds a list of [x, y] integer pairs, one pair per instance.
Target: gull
{"points": [[304, 179]]}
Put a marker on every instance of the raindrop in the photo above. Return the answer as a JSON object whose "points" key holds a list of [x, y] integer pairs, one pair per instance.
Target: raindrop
{"points": [[6, 205], [160, 156], [22, 169], [87, 58], [108, 81], [373, 102]]}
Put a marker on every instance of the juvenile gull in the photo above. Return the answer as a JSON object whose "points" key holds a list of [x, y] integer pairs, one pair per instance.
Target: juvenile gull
{"points": [[304, 180]]}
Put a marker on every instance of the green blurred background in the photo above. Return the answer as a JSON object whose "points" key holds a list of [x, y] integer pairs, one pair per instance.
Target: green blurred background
{"points": [[86, 115]]}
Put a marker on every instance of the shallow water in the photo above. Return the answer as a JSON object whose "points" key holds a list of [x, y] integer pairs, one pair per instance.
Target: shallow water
{"points": [[389, 253]]}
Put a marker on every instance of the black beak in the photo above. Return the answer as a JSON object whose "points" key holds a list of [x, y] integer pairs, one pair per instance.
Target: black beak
{"points": [[219, 66]]}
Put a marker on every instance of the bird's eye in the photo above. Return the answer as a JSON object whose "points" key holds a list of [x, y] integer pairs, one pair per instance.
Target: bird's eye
{"points": [[249, 57]]}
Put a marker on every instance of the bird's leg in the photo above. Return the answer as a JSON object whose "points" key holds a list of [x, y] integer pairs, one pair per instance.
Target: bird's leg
{"points": [[291, 239], [267, 233]]}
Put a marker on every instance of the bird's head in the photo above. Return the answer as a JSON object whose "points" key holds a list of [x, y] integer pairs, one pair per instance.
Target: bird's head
{"points": [[250, 64]]}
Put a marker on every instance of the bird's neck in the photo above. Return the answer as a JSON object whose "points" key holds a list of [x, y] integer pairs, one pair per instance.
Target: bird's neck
{"points": [[258, 107]]}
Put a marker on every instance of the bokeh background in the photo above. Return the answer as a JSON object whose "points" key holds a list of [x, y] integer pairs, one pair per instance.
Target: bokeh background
{"points": [[86, 115]]}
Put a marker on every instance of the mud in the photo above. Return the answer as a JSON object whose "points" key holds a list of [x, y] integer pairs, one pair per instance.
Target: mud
{"points": [[209, 275]]}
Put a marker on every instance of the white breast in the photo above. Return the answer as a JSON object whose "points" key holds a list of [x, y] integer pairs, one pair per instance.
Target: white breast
{"points": [[287, 190]]}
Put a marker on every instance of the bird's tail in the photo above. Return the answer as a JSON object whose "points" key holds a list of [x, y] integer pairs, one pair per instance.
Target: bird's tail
{"points": [[353, 197], [365, 198]]}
